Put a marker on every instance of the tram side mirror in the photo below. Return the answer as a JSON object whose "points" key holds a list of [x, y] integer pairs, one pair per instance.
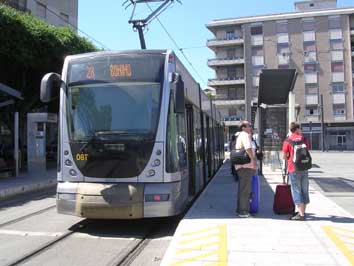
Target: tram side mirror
{"points": [[50, 84], [179, 94]]}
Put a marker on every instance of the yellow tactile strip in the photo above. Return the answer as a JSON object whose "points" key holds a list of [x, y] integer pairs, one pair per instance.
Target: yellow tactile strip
{"points": [[343, 238], [206, 244]]}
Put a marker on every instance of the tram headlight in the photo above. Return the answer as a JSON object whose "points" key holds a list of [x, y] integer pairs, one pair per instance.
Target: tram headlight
{"points": [[158, 152], [72, 172], [150, 173], [68, 162], [157, 162]]}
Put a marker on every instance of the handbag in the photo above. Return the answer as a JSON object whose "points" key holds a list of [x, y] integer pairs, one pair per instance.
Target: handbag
{"points": [[239, 157]]}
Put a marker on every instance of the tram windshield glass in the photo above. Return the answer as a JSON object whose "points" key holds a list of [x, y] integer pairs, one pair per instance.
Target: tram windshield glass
{"points": [[110, 111]]}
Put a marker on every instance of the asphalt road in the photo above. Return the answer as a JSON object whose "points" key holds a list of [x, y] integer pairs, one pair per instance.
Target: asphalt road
{"points": [[333, 176]]}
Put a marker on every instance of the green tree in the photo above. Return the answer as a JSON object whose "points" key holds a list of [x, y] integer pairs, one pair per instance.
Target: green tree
{"points": [[29, 48]]}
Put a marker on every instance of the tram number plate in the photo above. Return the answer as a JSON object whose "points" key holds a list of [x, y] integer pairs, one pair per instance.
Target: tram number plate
{"points": [[81, 157]]}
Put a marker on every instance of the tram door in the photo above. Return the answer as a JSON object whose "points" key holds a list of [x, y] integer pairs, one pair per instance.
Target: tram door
{"points": [[190, 147]]}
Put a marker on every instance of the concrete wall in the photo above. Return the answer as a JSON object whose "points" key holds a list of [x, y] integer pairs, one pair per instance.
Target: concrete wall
{"points": [[68, 7]]}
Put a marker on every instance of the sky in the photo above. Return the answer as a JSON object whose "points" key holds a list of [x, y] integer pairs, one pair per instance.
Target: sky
{"points": [[107, 24]]}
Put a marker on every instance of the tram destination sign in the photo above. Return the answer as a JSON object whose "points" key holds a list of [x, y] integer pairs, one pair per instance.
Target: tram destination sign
{"points": [[118, 68]]}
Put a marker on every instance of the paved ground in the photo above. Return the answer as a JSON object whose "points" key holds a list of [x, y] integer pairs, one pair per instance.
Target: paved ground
{"points": [[333, 176], [211, 233]]}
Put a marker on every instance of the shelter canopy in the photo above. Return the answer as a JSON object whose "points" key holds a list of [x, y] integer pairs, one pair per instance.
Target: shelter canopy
{"points": [[275, 85]]}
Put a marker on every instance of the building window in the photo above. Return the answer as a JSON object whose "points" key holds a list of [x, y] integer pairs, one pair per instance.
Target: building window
{"points": [[310, 68], [311, 111], [337, 55], [337, 67], [231, 73], [257, 30], [257, 51], [309, 36], [339, 109], [282, 27], [283, 38], [232, 93], [230, 53], [283, 66], [232, 112], [336, 44], [338, 87], [334, 22], [310, 78], [283, 54], [309, 47], [41, 11], [283, 49], [311, 89], [230, 35], [308, 25], [256, 71], [335, 34]]}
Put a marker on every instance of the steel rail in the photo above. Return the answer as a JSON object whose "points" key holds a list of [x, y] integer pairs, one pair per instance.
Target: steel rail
{"points": [[46, 245], [24, 217]]}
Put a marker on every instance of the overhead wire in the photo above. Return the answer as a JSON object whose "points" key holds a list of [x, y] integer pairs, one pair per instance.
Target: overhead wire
{"points": [[177, 46]]}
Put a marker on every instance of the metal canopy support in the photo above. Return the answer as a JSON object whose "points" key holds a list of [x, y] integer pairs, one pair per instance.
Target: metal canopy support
{"points": [[16, 138], [140, 24]]}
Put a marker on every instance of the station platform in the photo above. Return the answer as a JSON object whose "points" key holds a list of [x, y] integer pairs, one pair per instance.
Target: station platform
{"points": [[212, 234], [25, 183]]}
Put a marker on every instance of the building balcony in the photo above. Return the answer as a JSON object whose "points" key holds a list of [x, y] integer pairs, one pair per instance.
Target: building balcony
{"points": [[338, 98], [226, 61], [310, 78], [233, 120], [257, 40], [337, 76], [228, 102], [225, 42], [226, 81], [311, 99], [339, 117]]}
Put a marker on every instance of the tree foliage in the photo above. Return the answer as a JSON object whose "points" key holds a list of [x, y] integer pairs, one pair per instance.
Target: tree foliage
{"points": [[29, 48]]}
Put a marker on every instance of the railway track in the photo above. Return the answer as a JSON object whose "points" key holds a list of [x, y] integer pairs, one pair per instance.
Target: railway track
{"points": [[24, 217]]}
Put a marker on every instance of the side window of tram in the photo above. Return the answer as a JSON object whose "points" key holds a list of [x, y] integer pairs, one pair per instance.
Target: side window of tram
{"points": [[172, 152]]}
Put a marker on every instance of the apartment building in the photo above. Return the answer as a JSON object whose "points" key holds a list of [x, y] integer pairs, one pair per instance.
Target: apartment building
{"points": [[317, 40], [58, 13]]}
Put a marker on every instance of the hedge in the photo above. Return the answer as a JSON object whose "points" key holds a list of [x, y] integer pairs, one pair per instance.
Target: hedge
{"points": [[29, 48]]}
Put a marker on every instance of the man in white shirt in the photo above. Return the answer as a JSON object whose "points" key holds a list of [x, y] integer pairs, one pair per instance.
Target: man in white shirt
{"points": [[245, 171]]}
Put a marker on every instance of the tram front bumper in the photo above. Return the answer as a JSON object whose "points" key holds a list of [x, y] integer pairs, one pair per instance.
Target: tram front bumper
{"points": [[115, 201], [101, 201]]}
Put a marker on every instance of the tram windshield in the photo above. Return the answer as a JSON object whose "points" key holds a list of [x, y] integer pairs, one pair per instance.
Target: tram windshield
{"points": [[113, 111]]}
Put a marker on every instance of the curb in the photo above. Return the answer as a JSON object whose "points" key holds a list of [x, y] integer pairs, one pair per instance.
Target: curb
{"points": [[22, 189]]}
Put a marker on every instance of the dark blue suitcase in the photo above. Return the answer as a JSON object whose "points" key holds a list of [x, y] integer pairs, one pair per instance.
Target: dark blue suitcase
{"points": [[254, 200]]}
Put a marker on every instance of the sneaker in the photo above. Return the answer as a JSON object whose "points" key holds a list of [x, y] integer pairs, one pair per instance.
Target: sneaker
{"points": [[298, 217], [244, 215], [293, 214]]}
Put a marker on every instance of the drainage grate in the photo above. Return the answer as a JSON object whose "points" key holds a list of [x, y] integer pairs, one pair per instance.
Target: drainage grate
{"points": [[335, 184]]}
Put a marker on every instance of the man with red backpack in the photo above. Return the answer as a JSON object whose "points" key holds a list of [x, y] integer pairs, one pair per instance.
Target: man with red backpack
{"points": [[296, 152]]}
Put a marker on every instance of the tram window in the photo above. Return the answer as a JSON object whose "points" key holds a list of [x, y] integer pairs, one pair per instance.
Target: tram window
{"points": [[172, 157]]}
